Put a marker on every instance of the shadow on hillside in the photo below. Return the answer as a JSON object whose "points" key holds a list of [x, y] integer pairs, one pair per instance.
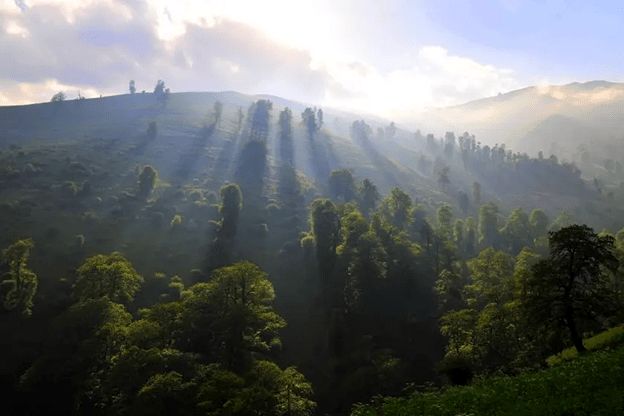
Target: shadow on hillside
{"points": [[187, 163]]}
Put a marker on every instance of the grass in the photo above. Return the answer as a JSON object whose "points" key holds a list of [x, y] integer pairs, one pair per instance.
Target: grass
{"points": [[608, 339], [590, 385]]}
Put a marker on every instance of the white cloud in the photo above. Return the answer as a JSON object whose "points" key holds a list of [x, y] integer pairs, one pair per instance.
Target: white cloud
{"points": [[434, 79], [276, 47]]}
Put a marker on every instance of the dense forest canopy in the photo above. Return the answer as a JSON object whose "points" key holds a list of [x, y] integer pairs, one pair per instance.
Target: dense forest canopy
{"points": [[222, 254]]}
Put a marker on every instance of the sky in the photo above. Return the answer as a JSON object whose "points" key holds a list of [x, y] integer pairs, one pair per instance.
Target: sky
{"points": [[392, 58]]}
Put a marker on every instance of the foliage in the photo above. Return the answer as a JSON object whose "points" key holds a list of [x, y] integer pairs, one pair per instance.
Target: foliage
{"points": [[110, 276], [18, 284], [611, 338], [573, 284], [575, 388]]}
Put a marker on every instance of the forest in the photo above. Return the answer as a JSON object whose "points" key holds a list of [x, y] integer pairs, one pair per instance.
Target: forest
{"points": [[223, 254]]}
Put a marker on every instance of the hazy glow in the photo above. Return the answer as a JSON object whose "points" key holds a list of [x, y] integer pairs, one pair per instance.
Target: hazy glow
{"points": [[391, 58]]}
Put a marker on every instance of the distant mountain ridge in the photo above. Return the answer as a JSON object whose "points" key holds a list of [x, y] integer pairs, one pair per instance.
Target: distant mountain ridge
{"points": [[553, 118]]}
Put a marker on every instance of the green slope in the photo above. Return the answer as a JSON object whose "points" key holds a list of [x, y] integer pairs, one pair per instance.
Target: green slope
{"points": [[591, 385]]}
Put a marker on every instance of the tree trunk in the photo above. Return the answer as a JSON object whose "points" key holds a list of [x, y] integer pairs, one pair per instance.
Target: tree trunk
{"points": [[577, 340]]}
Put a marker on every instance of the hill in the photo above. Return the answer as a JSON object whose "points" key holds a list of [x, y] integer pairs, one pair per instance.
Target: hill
{"points": [[567, 120], [574, 388], [397, 158]]}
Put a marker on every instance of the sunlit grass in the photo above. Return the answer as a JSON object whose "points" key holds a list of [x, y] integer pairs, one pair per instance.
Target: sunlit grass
{"points": [[608, 339]]}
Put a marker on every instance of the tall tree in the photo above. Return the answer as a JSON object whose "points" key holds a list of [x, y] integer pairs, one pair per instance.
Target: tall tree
{"points": [[488, 225], [326, 230], [231, 205], [18, 284], [342, 185], [396, 208], [368, 196], [573, 284], [232, 315], [147, 180], [132, 86], [110, 276]]}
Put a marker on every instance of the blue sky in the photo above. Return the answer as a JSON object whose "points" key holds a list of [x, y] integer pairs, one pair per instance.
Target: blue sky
{"points": [[393, 58]]}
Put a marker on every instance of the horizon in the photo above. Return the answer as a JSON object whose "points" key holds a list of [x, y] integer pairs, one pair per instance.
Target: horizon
{"points": [[392, 60]]}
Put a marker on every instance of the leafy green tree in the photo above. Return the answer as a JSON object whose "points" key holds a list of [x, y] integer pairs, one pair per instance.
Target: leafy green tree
{"points": [[232, 315], [396, 208], [365, 261], [538, 221], [517, 231], [18, 283], [231, 205], [68, 377], [491, 277], [445, 222], [342, 185], [109, 276], [165, 394], [147, 181], [488, 225], [295, 394], [325, 223], [368, 196], [573, 283], [564, 219]]}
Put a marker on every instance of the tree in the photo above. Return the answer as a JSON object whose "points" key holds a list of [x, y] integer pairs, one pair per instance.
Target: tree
{"points": [[445, 218], [132, 87], [517, 231], [368, 196], [232, 315], [147, 181], [488, 225], [573, 283], [326, 230], [107, 275], [476, 193], [159, 88], [538, 220], [58, 97], [308, 117], [231, 205], [18, 283], [342, 185], [396, 208]]}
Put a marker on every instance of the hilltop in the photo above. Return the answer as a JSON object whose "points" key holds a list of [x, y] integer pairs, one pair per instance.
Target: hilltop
{"points": [[392, 157]]}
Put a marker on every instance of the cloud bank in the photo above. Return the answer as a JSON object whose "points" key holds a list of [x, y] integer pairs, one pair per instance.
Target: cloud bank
{"points": [[96, 47]]}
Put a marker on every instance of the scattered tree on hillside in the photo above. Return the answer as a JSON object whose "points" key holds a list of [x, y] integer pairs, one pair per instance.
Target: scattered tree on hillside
{"points": [[132, 86], [58, 97], [18, 284], [574, 283], [147, 181], [110, 276], [342, 185], [368, 196]]}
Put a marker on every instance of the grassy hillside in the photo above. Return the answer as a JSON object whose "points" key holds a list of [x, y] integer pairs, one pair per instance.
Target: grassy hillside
{"points": [[183, 151], [590, 385]]}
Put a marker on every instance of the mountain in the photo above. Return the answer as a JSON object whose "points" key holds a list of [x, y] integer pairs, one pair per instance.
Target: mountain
{"points": [[387, 155], [565, 120]]}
